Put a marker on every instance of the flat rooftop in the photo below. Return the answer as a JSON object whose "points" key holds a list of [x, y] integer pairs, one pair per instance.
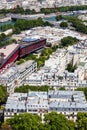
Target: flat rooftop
{"points": [[29, 41], [7, 50], [69, 100], [23, 66], [8, 73]]}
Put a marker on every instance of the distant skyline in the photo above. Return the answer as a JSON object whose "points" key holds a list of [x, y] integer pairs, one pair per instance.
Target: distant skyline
{"points": [[38, 4]]}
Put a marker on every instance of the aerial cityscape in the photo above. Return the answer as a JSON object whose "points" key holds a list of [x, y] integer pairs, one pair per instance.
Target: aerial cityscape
{"points": [[43, 65]]}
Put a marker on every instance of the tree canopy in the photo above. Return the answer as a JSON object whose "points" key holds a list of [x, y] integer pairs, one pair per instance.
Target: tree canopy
{"points": [[59, 17], [78, 24], [3, 94], [27, 24], [17, 10], [2, 37], [67, 41], [52, 121], [23, 122], [63, 9], [6, 27], [20, 10], [82, 121], [63, 24], [70, 67], [26, 88], [45, 54], [58, 122]]}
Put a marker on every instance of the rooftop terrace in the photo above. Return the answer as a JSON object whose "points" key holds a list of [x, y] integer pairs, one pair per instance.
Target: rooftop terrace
{"points": [[7, 50]]}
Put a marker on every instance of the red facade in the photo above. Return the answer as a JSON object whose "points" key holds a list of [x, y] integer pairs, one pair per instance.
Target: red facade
{"points": [[11, 59], [30, 48], [22, 51]]}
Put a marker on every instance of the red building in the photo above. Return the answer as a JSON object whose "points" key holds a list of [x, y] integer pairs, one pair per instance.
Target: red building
{"points": [[10, 53], [27, 45]]}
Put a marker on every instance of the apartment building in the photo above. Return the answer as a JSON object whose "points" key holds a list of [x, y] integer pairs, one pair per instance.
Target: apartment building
{"points": [[54, 72], [14, 76], [68, 103], [37, 5]]}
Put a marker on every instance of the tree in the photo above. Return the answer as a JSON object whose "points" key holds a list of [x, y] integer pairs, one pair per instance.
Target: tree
{"points": [[24, 121], [2, 37], [64, 24], [82, 121], [27, 24], [3, 94], [67, 41], [16, 30], [58, 122], [26, 88], [6, 27], [39, 21], [48, 24], [62, 88], [59, 17], [70, 67], [6, 126], [18, 10], [78, 24], [63, 9]]}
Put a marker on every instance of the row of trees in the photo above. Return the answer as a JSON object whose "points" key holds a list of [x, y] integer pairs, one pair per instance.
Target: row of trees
{"points": [[63, 9], [27, 24], [72, 8], [52, 121], [18, 10], [2, 37], [7, 42], [75, 22], [79, 25], [44, 10], [26, 88], [6, 27], [21, 25], [3, 94]]}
